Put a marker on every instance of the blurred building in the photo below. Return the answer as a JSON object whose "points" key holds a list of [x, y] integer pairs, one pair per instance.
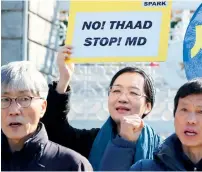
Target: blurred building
{"points": [[30, 32]]}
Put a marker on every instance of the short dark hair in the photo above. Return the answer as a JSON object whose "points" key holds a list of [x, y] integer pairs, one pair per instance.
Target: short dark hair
{"points": [[193, 86], [148, 83]]}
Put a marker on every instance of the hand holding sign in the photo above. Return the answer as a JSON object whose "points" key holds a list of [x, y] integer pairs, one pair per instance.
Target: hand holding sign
{"points": [[66, 68]]}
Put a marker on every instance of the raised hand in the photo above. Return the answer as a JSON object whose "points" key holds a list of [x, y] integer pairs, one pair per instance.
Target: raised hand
{"points": [[131, 127], [66, 68]]}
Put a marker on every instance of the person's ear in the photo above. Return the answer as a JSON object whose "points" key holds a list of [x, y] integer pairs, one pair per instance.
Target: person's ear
{"points": [[43, 108], [148, 108]]}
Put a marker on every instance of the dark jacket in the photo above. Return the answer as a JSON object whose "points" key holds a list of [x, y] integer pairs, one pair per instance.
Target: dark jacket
{"points": [[58, 128], [40, 154], [168, 157], [120, 154]]}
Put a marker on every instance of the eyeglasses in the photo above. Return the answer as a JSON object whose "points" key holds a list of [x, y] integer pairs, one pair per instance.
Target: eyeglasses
{"points": [[23, 101], [131, 93]]}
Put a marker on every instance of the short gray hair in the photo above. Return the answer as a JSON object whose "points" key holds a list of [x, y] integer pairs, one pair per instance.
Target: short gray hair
{"points": [[23, 76]]}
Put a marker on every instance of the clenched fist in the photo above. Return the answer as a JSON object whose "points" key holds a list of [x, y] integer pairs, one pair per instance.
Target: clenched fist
{"points": [[131, 127]]}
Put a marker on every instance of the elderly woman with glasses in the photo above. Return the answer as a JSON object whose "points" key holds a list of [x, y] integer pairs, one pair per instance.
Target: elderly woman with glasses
{"points": [[131, 98], [25, 144]]}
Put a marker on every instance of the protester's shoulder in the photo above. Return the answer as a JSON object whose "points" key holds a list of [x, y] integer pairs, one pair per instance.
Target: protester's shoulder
{"points": [[85, 134], [93, 131], [61, 151], [68, 155], [146, 165]]}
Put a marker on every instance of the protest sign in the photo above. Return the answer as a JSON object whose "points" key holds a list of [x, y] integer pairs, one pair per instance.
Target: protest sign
{"points": [[119, 31], [192, 47]]}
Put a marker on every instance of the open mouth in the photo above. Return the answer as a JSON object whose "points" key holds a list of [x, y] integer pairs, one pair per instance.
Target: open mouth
{"points": [[15, 124], [190, 133], [122, 109]]}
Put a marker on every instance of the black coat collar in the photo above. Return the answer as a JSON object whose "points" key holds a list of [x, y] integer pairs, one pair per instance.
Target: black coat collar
{"points": [[32, 147], [171, 154]]}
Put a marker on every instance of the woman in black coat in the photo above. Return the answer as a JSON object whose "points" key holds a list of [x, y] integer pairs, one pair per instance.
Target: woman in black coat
{"points": [[131, 98]]}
